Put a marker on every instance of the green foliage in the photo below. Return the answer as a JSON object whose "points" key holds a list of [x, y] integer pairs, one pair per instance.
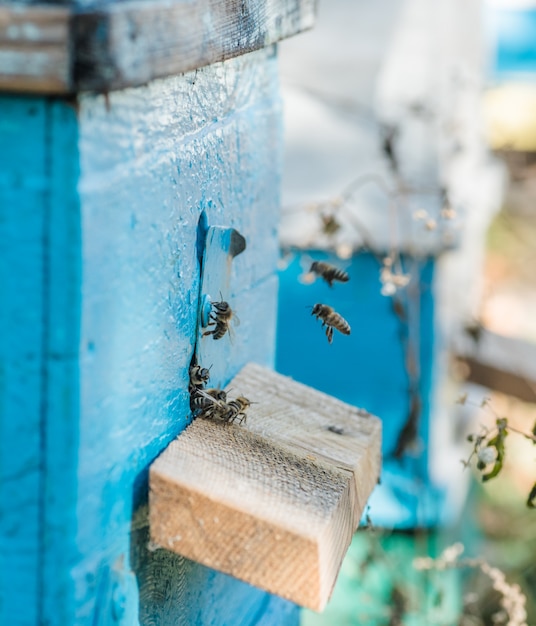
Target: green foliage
{"points": [[531, 500], [497, 442], [489, 446]]}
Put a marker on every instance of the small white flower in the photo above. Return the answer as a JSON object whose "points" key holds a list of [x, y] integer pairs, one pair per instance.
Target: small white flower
{"points": [[487, 455], [390, 280], [401, 280], [423, 563], [344, 251], [448, 213], [451, 554], [421, 214], [307, 278], [388, 289]]}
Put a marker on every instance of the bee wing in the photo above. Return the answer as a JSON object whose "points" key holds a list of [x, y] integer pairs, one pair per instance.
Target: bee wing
{"points": [[236, 319], [211, 398]]}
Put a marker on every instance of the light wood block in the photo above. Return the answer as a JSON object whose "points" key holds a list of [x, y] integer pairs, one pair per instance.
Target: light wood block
{"points": [[273, 502]]}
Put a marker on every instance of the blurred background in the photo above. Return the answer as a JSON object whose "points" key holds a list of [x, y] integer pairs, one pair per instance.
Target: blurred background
{"points": [[411, 163]]}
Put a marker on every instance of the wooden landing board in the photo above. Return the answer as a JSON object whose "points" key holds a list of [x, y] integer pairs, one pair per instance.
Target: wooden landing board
{"points": [[273, 502], [501, 363], [60, 50]]}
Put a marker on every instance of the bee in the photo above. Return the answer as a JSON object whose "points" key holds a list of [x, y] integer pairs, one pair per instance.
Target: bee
{"points": [[235, 409], [212, 403], [199, 376], [209, 401], [329, 272], [330, 319], [220, 317]]}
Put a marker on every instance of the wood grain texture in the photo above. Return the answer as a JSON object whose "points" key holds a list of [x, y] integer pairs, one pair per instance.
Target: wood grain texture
{"points": [[273, 502], [52, 50], [35, 51], [500, 363]]}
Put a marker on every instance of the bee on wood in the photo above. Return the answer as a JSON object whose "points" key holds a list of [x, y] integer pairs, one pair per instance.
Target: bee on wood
{"points": [[209, 401], [213, 404], [330, 319], [235, 409], [220, 317], [199, 376], [329, 272]]}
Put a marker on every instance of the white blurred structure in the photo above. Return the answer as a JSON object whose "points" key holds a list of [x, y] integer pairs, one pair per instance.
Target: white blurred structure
{"points": [[401, 76]]}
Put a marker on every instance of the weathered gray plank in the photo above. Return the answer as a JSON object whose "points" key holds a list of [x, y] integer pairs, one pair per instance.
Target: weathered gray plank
{"points": [[156, 39], [49, 49], [34, 49], [501, 363]]}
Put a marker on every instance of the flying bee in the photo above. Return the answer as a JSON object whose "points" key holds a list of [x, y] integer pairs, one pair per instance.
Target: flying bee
{"points": [[220, 316], [329, 272], [235, 409], [330, 319], [199, 376]]}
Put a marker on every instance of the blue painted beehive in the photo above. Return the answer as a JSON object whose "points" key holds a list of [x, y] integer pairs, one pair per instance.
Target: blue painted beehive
{"points": [[126, 132], [386, 365]]}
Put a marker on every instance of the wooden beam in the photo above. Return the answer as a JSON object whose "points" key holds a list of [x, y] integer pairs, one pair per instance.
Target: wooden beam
{"points": [[35, 53], [273, 502], [498, 362], [50, 50]]}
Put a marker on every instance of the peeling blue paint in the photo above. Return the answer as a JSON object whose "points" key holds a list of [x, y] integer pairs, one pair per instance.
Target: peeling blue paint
{"points": [[102, 209]]}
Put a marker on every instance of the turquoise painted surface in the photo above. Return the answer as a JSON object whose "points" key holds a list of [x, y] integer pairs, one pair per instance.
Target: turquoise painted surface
{"points": [[61, 406], [105, 309], [513, 37], [378, 584], [23, 175], [387, 361]]}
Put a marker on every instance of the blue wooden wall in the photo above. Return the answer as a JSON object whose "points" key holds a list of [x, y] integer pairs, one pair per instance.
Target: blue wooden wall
{"points": [[103, 203], [372, 368], [22, 184]]}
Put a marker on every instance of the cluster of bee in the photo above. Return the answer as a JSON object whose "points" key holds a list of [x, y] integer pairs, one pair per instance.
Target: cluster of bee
{"points": [[212, 403], [331, 320]]}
